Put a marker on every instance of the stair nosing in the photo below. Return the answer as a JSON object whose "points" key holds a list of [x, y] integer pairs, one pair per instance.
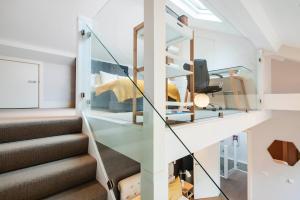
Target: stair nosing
{"points": [[32, 182], [48, 164], [42, 139], [27, 153]]}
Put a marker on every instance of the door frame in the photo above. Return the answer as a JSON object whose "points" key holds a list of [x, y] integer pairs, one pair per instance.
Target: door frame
{"points": [[40, 72]]}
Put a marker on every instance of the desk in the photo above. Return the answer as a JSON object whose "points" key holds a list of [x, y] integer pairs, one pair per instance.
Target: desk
{"points": [[233, 86], [230, 71]]}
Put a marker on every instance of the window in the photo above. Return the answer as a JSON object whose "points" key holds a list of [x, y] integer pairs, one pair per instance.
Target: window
{"points": [[196, 9]]}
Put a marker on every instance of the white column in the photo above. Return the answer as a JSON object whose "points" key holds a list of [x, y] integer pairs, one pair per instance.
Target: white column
{"points": [[154, 167]]}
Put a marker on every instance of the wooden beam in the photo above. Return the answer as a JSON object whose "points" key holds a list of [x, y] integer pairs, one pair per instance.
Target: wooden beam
{"points": [[139, 27], [192, 77], [135, 49]]}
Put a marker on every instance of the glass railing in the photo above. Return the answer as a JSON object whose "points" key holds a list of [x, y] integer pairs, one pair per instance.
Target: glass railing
{"points": [[224, 67], [112, 97], [222, 83], [235, 92]]}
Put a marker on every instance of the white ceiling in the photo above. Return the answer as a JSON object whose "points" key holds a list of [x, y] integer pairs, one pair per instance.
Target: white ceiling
{"points": [[269, 24], [224, 26], [284, 15], [51, 24], [47, 24]]}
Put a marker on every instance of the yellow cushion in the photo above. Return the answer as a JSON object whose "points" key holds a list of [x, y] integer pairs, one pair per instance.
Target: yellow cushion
{"points": [[175, 191], [137, 198]]}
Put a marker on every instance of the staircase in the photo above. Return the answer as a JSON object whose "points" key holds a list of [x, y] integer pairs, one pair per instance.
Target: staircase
{"points": [[47, 158]]}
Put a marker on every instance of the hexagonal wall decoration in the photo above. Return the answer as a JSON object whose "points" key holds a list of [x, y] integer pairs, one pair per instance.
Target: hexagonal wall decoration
{"points": [[284, 152]]}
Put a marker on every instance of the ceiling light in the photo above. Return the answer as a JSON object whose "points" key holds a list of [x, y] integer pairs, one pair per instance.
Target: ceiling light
{"points": [[196, 9]]}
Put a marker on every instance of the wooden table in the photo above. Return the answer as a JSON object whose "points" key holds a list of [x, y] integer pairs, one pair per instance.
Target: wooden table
{"points": [[233, 86]]}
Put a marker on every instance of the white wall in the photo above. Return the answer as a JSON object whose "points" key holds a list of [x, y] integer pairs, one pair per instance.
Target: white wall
{"points": [[114, 25], [57, 80], [46, 32], [267, 179], [58, 85], [224, 50]]}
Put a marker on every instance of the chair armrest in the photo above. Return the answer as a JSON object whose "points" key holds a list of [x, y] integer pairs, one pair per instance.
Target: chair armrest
{"points": [[221, 77], [218, 75]]}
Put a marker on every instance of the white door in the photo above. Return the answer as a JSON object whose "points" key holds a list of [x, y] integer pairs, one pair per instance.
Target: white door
{"points": [[19, 84]]}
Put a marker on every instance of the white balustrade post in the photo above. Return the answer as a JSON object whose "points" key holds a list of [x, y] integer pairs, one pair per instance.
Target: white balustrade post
{"points": [[235, 143], [225, 161]]}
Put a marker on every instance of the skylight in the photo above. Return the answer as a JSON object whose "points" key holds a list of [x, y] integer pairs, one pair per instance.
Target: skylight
{"points": [[196, 9]]}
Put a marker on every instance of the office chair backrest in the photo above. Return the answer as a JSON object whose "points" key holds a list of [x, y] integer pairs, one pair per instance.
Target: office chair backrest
{"points": [[200, 73]]}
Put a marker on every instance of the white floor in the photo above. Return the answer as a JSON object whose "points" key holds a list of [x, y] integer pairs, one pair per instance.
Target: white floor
{"points": [[21, 114], [126, 117], [18, 114]]}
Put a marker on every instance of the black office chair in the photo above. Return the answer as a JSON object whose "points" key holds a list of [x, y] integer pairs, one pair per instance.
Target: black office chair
{"points": [[202, 79]]}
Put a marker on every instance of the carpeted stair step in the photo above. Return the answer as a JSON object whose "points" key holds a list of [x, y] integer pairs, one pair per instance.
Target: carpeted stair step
{"points": [[89, 191], [27, 153], [39, 128], [47, 179], [117, 166]]}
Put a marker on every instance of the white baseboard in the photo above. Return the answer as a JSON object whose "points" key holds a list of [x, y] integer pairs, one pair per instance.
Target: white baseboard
{"points": [[57, 104]]}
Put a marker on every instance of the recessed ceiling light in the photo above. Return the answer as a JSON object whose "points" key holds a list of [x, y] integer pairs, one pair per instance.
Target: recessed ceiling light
{"points": [[196, 9]]}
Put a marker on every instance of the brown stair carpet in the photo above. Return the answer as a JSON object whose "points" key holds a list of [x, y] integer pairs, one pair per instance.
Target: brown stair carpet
{"points": [[117, 166], [47, 159], [20, 154], [35, 128], [91, 190]]}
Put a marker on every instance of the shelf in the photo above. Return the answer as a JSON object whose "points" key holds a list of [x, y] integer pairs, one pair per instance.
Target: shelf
{"points": [[175, 103], [178, 58], [175, 31], [173, 71], [139, 113], [140, 69]]}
